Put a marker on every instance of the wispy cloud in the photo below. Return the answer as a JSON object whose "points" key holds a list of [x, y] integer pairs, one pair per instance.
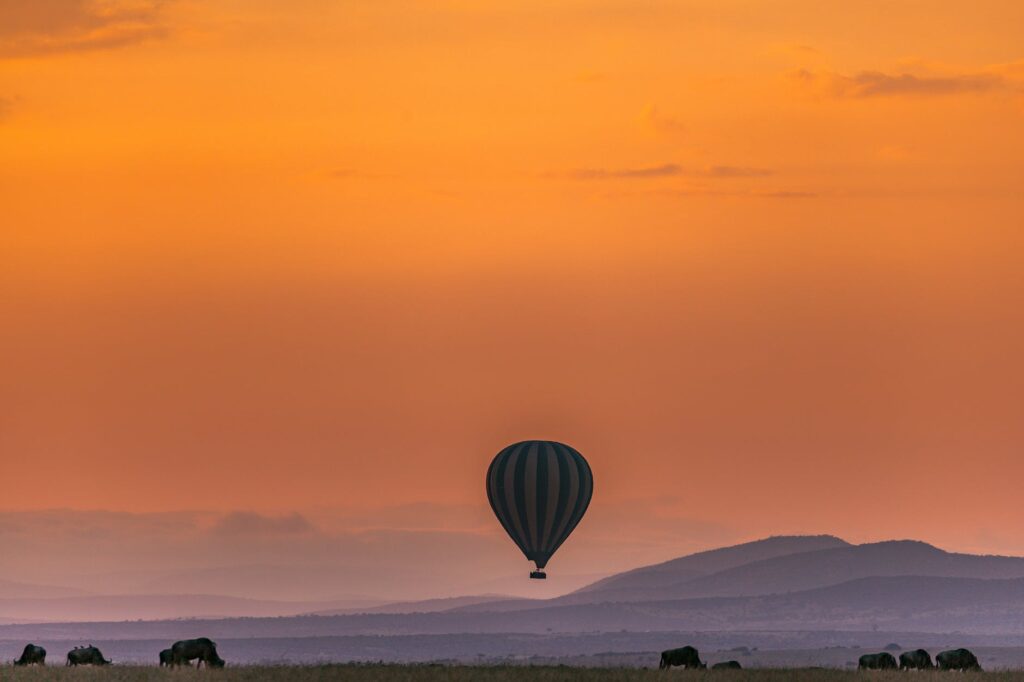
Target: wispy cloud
{"points": [[740, 193], [668, 170], [880, 84], [42, 27], [713, 191], [786, 194], [663, 171], [733, 172], [251, 523]]}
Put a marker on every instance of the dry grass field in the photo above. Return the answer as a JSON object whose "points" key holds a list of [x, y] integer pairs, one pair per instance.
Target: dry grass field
{"points": [[457, 673]]}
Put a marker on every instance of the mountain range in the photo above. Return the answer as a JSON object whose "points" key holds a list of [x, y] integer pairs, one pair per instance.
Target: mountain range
{"points": [[778, 583], [791, 564]]}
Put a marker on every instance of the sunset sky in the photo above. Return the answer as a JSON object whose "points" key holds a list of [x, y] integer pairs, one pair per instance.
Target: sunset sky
{"points": [[760, 262]]}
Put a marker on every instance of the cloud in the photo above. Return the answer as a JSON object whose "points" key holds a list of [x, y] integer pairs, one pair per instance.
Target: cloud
{"points": [[662, 171], [879, 84], [251, 523], [734, 172], [787, 194], [41, 27], [669, 170], [767, 194]]}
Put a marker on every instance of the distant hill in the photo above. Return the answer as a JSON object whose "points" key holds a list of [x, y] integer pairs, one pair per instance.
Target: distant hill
{"points": [[896, 603], [781, 583], [151, 607], [693, 566], [421, 606], [920, 604], [780, 565], [793, 573], [785, 591], [673, 578], [10, 589]]}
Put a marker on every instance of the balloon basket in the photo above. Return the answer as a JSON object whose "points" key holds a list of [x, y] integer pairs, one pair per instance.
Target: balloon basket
{"points": [[538, 575]]}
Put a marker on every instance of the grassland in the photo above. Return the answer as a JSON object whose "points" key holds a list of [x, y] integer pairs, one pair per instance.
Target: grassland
{"points": [[460, 673]]}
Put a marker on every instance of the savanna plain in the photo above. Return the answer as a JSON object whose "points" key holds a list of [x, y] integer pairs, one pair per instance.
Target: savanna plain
{"points": [[464, 673]]}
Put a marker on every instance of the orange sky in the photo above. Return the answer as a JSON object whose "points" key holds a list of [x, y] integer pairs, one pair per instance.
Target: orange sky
{"points": [[758, 261]]}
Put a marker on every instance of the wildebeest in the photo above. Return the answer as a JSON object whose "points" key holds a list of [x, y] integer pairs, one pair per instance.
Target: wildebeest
{"points": [[882, 661], [918, 659], [32, 655], [86, 655], [957, 659], [685, 657], [188, 650], [727, 665], [166, 658]]}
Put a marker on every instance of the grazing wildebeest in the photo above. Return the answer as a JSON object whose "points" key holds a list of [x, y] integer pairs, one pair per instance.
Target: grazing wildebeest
{"points": [[957, 659], [918, 659], [685, 657], [188, 650], [86, 655], [727, 665], [882, 661], [166, 658], [32, 655]]}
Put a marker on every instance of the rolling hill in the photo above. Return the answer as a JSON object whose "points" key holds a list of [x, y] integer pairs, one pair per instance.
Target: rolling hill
{"points": [[835, 562], [780, 583], [894, 604], [702, 564], [151, 607], [421, 606]]}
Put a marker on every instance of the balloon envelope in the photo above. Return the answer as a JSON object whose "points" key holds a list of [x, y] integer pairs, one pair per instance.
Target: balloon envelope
{"points": [[539, 490]]}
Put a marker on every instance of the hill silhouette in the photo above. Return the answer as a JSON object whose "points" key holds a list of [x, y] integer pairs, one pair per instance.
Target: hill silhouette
{"points": [[420, 606], [668, 575], [777, 565], [776, 584], [769, 569]]}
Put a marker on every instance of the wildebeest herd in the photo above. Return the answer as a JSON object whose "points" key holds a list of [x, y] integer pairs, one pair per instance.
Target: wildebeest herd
{"points": [[183, 652], [203, 650], [687, 657], [918, 659]]}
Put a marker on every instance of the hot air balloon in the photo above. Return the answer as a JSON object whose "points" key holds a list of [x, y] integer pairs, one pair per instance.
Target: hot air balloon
{"points": [[539, 490]]}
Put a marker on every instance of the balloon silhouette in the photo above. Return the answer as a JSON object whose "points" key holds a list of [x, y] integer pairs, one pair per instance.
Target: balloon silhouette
{"points": [[539, 490]]}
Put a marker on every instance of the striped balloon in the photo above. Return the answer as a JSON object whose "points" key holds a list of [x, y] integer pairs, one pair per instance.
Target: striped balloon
{"points": [[539, 490]]}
